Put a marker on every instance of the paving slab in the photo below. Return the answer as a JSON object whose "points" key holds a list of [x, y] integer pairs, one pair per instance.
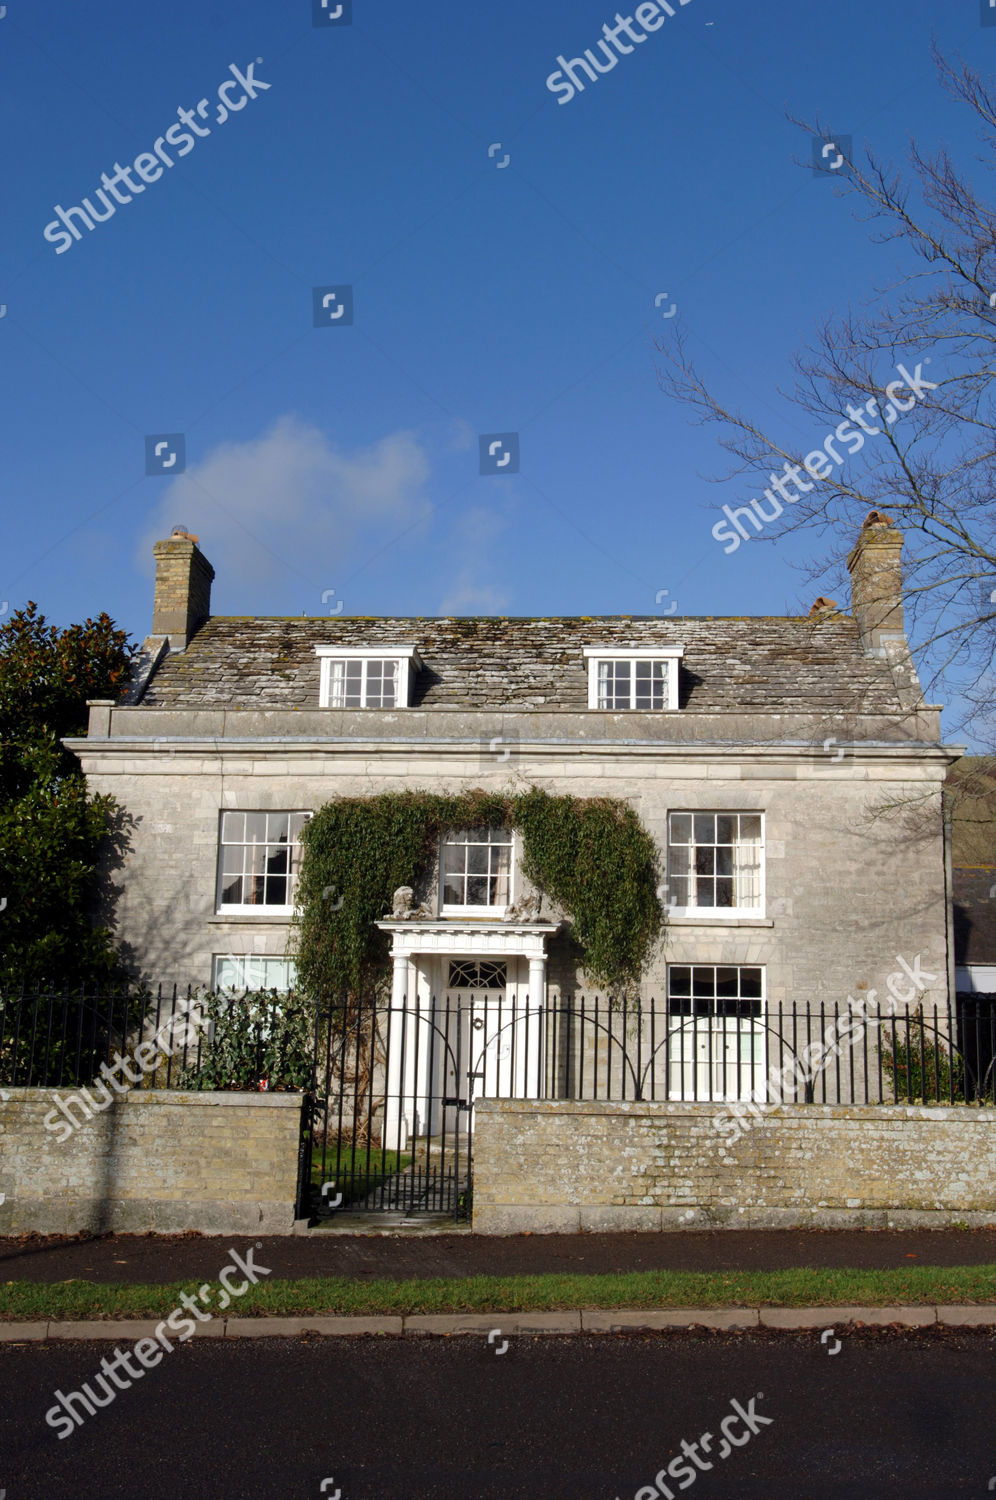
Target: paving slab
{"points": [[289, 1328], [617, 1320], [508, 1324], [213, 1330], [802, 1317], [982, 1315], [125, 1329], [837, 1317], [21, 1333]]}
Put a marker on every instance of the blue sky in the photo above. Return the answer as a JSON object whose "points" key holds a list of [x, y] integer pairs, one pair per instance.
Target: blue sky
{"points": [[343, 461]]}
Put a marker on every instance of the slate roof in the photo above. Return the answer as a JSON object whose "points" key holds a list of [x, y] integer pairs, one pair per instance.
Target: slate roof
{"points": [[975, 915], [755, 664]]}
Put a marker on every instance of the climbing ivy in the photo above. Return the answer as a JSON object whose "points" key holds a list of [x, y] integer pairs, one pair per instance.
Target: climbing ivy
{"points": [[592, 856]]}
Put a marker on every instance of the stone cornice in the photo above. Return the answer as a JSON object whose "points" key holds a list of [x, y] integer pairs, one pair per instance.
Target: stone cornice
{"points": [[287, 749], [471, 939]]}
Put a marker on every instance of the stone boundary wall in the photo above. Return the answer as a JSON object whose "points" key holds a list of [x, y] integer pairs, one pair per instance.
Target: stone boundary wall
{"points": [[558, 1167], [166, 1161]]}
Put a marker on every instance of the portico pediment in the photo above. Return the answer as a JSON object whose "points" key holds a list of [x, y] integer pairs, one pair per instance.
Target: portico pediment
{"points": [[470, 939]]}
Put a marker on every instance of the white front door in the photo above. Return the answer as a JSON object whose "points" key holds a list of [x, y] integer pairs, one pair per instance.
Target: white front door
{"points": [[479, 1021]]}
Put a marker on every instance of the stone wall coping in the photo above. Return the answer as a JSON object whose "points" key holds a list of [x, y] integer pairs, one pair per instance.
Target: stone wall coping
{"points": [[159, 1098], [664, 1109]]}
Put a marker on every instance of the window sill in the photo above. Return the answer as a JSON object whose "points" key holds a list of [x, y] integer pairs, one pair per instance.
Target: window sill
{"points": [[675, 920], [276, 918], [473, 914]]}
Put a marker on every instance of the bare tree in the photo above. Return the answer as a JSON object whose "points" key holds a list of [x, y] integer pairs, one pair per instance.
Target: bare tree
{"points": [[929, 463]]}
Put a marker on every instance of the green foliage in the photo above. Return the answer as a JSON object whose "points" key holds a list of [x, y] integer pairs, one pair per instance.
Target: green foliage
{"points": [[357, 1171], [596, 860], [593, 857], [919, 1066], [50, 829], [812, 1286], [66, 1035], [253, 1037]]}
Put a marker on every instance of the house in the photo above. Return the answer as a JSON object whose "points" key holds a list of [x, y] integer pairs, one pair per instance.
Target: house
{"points": [[971, 789], [788, 769], [975, 930]]}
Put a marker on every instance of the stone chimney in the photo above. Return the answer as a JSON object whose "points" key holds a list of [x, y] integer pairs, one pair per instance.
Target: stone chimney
{"points": [[183, 589], [876, 570]]}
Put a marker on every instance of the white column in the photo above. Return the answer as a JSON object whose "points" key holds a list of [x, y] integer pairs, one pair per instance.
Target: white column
{"points": [[531, 1083], [420, 1052], [399, 1036]]}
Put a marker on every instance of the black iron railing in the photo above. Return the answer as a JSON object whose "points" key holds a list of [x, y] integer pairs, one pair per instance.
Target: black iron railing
{"points": [[159, 1038], [456, 1049], [395, 1087], [389, 1092]]}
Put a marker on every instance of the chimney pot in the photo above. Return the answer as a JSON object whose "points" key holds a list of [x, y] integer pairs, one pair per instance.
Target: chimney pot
{"points": [[823, 606]]}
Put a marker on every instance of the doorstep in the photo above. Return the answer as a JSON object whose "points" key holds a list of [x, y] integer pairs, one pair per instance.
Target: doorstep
{"points": [[418, 1225]]}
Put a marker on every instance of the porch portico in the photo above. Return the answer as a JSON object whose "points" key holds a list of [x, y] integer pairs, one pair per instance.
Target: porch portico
{"points": [[450, 1043]]}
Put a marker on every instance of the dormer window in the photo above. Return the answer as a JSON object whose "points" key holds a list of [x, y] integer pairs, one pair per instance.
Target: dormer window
{"points": [[633, 680], [367, 678]]}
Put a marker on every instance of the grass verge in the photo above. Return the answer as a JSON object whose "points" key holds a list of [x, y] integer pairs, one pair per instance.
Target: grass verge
{"points": [[73, 1300]]}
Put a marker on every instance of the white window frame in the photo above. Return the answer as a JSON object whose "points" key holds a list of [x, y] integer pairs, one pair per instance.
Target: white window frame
{"points": [[669, 655], [482, 913], [693, 963], [699, 1043], [719, 913], [242, 909], [248, 959], [407, 657]]}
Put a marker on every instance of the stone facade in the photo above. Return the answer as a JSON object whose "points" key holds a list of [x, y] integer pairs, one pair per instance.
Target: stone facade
{"points": [[547, 1167], [818, 723], [169, 1162], [853, 848]]}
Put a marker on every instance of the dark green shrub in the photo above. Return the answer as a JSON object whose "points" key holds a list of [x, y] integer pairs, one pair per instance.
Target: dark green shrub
{"points": [[253, 1039], [919, 1066]]}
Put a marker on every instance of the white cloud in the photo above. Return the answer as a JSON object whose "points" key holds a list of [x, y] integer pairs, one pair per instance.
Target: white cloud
{"points": [[462, 436], [291, 497], [475, 535]]}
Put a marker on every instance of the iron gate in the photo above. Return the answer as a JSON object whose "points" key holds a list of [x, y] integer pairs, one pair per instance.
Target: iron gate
{"points": [[389, 1125]]}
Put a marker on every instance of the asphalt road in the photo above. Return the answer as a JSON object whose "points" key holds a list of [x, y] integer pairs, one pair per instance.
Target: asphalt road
{"points": [[906, 1415], [165, 1258]]}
